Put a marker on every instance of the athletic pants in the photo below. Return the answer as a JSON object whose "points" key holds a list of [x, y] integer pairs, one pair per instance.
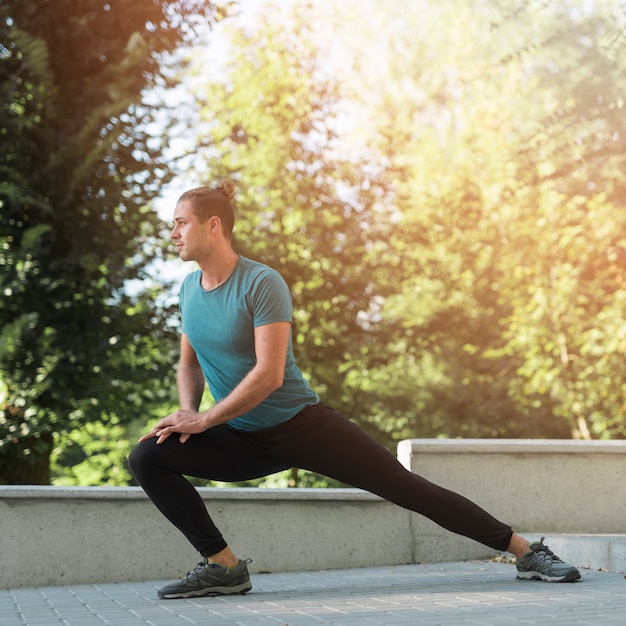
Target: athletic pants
{"points": [[318, 439]]}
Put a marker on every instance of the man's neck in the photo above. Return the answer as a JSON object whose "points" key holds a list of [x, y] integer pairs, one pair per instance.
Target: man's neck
{"points": [[218, 270]]}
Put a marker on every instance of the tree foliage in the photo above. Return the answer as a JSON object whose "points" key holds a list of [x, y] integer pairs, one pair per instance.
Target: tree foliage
{"points": [[441, 185], [79, 163], [511, 185], [464, 275]]}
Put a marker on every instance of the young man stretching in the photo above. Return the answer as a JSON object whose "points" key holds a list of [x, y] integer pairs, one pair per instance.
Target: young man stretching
{"points": [[236, 336]]}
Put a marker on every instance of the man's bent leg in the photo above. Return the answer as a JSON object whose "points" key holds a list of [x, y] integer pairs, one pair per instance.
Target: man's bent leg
{"points": [[174, 495], [218, 454]]}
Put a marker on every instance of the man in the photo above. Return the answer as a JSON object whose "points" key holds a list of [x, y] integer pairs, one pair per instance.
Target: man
{"points": [[236, 336]]}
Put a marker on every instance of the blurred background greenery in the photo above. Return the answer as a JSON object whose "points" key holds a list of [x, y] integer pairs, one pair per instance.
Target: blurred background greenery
{"points": [[442, 185]]}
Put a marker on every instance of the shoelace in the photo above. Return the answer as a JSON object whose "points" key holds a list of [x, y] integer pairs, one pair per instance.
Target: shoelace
{"points": [[546, 552], [198, 568]]}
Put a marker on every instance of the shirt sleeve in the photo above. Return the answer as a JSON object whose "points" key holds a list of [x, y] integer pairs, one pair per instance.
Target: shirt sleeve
{"points": [[270, 300]]}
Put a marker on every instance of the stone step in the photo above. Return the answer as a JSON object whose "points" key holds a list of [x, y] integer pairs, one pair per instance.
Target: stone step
{"points": [[606, 552]]}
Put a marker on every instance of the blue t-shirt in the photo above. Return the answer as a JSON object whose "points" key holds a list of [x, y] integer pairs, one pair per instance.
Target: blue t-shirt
{"points": [[220, 327]]}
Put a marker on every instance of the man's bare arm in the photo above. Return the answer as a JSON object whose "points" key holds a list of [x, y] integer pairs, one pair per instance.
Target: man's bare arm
{"points": [[271, 342], [189, 377]]}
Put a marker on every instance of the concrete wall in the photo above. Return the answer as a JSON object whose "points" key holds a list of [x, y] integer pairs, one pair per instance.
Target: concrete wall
{"points": [[550, 486], [54, 536]]}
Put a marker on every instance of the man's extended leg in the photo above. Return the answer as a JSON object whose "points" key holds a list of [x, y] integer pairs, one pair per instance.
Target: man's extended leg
{"points": [[321, 440]]}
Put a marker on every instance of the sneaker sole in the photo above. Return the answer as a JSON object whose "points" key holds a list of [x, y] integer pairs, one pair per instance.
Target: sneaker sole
{"points": [[570, 577], [209, 591]]}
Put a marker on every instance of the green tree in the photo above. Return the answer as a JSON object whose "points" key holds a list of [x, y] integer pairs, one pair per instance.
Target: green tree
{"points": [[507, 152], [80, 339], [94, 454]]}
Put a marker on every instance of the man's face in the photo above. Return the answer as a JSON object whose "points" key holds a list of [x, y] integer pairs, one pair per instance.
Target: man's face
{"points": [[188, 234]]}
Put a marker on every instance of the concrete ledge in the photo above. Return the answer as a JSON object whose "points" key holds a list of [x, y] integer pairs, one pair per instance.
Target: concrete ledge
{"points": [[549, 486], [55, 536], [597, 552], [71, 535]]}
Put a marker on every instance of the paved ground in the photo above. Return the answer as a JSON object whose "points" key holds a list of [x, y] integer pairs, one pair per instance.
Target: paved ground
{"points": [[442, 594]]}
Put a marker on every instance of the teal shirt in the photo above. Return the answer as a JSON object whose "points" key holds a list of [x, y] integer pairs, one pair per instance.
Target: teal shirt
{"points": [[220, 327]]}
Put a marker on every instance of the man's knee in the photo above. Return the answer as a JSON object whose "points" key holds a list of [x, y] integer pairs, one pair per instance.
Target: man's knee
{"points": [[141, 459]]}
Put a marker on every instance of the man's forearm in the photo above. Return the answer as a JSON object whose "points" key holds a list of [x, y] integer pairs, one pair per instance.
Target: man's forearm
{"points": [[250, 392], [190, 387]]}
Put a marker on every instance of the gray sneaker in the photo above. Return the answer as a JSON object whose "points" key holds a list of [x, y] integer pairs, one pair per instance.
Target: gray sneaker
{"points": [[540, 563], [209, 579]]}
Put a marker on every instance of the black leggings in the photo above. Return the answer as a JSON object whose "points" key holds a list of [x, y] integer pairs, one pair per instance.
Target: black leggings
{"points": [[317, 439]]}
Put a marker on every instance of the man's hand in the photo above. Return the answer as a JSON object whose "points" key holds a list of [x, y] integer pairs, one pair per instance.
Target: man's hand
{"points": [[184, 422]]}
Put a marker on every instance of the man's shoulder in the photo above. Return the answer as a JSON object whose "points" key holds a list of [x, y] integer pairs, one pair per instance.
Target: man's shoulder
{"points": [[262, 283], [256, 268], [251, 265], [193, 278]]}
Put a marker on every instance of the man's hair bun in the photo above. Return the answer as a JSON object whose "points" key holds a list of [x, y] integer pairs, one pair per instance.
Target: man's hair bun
{"points": [[227, 187]]}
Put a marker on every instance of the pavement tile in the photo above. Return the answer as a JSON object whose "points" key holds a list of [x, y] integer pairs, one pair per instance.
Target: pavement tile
{"points": [[474, 593]]}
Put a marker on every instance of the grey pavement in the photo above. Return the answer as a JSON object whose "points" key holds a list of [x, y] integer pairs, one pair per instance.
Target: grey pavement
{"points": [[477, 592]]}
